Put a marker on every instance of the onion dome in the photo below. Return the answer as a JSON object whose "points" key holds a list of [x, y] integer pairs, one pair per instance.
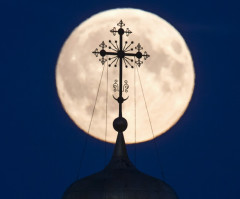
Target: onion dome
{"points": [[119, 180]]}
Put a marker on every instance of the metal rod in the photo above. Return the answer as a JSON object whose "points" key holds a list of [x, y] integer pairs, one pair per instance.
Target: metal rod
{"points": [[120, 101]]}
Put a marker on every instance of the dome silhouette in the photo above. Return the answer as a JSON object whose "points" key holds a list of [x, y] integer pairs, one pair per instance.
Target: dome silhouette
{"points": [[119, 180]]}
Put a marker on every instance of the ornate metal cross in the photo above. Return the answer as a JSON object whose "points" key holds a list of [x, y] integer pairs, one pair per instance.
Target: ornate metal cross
{"points": [[119, 54]]}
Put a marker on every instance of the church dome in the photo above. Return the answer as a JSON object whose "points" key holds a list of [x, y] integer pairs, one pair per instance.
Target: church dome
{"points": [[120, 180]]}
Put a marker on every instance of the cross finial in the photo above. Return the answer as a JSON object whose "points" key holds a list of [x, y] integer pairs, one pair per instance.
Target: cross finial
{"points": [[103, 45], [121, 24], [121, 52]]}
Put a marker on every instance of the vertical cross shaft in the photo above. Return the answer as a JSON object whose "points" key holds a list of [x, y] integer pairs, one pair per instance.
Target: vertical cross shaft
{"points": [[120, 98]]}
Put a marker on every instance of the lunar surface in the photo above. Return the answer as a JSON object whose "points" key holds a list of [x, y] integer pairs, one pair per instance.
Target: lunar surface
{"points": [[167, 77]]}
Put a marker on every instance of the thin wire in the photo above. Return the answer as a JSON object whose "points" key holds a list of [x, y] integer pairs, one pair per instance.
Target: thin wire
{"points": [[135, 117], [105, 144], [86, 136], [155, 143], [105, 155]]}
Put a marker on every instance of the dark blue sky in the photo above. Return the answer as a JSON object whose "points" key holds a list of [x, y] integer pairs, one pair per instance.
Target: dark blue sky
{"points": [[40, 147]]}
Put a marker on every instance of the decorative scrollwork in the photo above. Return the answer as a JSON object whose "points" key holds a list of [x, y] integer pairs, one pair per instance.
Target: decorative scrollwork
{"points": [[114, 31], [138, 62], [115, 85], [121, 24], [139, 47], [145, 55], [125, 86], [102, 60], [96, 52], [128, 32]]}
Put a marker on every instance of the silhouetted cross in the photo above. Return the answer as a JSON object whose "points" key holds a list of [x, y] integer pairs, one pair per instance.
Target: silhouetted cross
{"points": [[121, 53]]}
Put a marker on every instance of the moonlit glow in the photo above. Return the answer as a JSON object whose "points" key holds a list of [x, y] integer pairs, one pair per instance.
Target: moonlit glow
{"points": [[167, 76]]}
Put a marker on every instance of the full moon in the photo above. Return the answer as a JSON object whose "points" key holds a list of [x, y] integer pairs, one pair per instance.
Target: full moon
{"points": [[167, 77]]}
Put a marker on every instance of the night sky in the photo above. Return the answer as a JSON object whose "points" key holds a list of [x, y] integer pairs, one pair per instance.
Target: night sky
{"points": [[41, 148]]}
